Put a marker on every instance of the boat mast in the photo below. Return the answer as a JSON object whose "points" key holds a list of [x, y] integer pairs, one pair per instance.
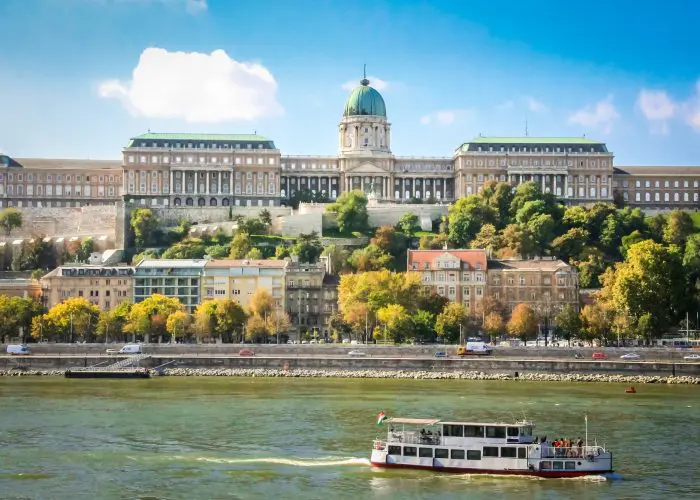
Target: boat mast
{"points": [[586, 417]]}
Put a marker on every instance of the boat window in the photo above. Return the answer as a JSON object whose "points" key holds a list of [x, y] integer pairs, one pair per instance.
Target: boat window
{"points": [[474, 431], [522, 452], [473, 454], [557, 465], [457, 454], [441, 453], [409, 451], [570, 465], [394, 450], [495, 432], [508, 452], [425, 452], [512, 432], [490, 451], [526, 431], [545, 465], [453, 430]]}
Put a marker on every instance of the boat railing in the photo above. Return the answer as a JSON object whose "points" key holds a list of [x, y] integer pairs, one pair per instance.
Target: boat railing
{"points": [[414, 438], [572, 452]]}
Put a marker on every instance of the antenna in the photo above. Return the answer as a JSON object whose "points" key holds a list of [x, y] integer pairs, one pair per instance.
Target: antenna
{"points": [[526, 134], [364, 71]]}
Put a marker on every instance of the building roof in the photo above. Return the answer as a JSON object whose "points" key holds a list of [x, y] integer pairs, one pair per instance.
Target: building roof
{"points": [[201, 137], [365, 100], [599, 146], [171, 263], [528, 264], [68, 164], [472, 257], [226, 263], [81, 270], [657, 170]]}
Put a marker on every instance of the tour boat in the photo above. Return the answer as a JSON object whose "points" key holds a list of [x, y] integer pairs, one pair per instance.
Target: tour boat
{"points": [[485, 448]]}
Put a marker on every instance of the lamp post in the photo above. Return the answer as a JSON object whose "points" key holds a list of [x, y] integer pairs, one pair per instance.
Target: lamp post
{"points": [[70, 338]]}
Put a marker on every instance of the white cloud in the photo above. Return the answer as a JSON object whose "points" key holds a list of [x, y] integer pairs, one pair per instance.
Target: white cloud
{"points": [[506, 105], [657, 107], [601, 116], [443, 117], [534, 105], [196, 87], [691, 109], [375, 82]]}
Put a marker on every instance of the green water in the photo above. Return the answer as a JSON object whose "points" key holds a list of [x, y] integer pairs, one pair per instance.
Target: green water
{"points": [[200, 438]]}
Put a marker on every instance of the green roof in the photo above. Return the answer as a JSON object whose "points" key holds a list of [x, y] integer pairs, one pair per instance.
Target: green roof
{"points": [[203, 137], [532, 140]]}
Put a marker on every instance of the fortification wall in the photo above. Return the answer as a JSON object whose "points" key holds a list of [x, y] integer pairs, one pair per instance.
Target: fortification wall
{"points": [[171, 216], [67, 222]]}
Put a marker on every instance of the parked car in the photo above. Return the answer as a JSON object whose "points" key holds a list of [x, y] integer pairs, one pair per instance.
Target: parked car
{"points": [[578, 355], [356, 353], [440, 354], [246, 352], [692, 357], [630, 355], [600, 355], [18, 350]]}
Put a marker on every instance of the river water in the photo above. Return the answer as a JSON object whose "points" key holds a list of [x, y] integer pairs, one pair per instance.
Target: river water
{"points": [[255, 438]]}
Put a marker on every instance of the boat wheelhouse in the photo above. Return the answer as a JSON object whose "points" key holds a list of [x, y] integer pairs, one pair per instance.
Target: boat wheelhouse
{"points": [[484, 448]]}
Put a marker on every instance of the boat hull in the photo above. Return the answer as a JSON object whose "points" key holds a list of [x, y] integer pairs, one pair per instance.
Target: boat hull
{"points": [[501, 472], [107, 374]]}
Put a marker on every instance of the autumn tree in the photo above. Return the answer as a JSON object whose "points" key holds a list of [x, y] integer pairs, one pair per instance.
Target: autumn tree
{"points": [[261, 303], [278, 323], [74, 318], [254, 254], [395, 321], [450, 322], [493, 324], [256, 329], [178, 325], [150, 316], [111, 322], [596, 322], [522, 323], [432, 242], [487, 238], [568, 323], [369, 258], [17, 313], [240, 246], [678, 227]]}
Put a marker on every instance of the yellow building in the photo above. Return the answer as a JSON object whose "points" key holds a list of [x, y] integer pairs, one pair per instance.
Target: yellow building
{"points": [[25, 288], [104, 286], [239, 279]]}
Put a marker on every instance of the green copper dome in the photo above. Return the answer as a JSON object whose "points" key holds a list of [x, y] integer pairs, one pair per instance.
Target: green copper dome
{"points": [[365, 100]]}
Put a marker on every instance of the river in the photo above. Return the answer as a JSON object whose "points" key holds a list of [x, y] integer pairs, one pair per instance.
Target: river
{"points": [[256, 438]]}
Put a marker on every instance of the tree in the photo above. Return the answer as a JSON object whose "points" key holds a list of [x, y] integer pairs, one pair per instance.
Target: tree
{"points": [[590, 269], [466, 216], [527, 191], [339, 328], [629, 240], [261, 303], [281, 252], [338, 257], [204, 319], [16, 313], [679, 226], [110, 324], [432, 242], [351, 211], [396, 321], [541, 227], [487, 238], [568, 323], [409, 224], [256, 329], [449, 321], [10, 219], [254, 254], [369, 258], [266, 218], [178, 324], [308, 247], [570, 245], [151, 315], [518, 241], [596, 322], [493, 324], [190, 248], [431, 302], [217, 251], [252, 225], [230, 317], [240, 246], [86, 248], [143, 223], [522, 323], [655, 227], [278, 323], [499, 196], [74, 318], [423, 325]]}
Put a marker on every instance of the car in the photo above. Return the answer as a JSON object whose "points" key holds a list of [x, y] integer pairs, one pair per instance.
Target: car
{"points": [[18, 350], [356, 353], [630, 355], [578, 355], [600, 355], [246, 352], [440, 354], [692, 357]]}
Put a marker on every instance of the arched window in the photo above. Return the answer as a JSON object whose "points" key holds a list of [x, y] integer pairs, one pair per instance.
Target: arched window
{"points": [[225, 202], [177, 202], [189, 202], [212, 202], [201, 202]]}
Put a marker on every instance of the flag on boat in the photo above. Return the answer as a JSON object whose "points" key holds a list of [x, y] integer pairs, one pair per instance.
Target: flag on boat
{"points": [[381, 418]]}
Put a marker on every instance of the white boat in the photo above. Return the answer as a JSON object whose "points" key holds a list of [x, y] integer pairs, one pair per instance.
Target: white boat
{"points": [[484, 448]]}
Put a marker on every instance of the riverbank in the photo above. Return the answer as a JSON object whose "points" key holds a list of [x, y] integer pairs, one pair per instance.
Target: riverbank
{"points": [[396, 374]]}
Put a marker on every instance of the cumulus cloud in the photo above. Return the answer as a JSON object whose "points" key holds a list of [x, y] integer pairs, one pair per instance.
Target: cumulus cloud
{"points": [[375, 82], [196, 87], [657, 107], [443, 117], [534, 105], [600, 116]]}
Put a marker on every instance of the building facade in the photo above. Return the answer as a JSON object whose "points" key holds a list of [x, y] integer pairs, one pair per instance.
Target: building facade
{"points": [[20, 287], [239, 279], [176, 278], [103, 286], [200, 170]]}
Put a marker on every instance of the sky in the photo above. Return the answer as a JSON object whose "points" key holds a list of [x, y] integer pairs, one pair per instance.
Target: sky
{"points": [[78, 78]]}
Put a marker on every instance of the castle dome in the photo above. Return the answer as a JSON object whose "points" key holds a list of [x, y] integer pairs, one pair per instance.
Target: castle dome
{"points": [[365, 100]]}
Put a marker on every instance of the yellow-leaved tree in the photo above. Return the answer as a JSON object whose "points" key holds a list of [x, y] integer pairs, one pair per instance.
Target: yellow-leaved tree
{"points": [[72, 320], [150, 317], [522, 323]]}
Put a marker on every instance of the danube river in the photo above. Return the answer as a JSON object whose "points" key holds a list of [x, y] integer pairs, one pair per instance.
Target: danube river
{"points": [[254, 438]]}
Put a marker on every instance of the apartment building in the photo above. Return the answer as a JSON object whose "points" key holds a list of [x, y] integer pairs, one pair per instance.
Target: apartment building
{"points": [[177, 278], [239, 279], [103, 286], [19, 287]]}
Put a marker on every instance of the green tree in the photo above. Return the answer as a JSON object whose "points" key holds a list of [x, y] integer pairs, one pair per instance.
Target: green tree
{"points": [[655, 227], [396, 322], [111, 323], [10, 219], [431, 302], [568, 323], [523, 323], [409, 224], [217, 251], [308, 247], [351, 211], [432, 242], [527, 191], [87, 246], [369, 258], [629, 240], [516, 242], [240, 246], [570, 245], [17, 313], [499, 196], [466, 216], [590, 269], [265, 218], [423, 325], [254, 254], [448, 322], [191, 248], [281, 252], [143, 224], [487, 238], [679, 226], [596, 322], [541, 227]]}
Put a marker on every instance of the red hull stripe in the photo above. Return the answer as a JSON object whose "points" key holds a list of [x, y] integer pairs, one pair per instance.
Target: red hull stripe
{"points": [[458, 470]]}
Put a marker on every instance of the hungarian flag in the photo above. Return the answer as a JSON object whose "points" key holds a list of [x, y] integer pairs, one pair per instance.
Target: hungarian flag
{"points": [[381, 418]]}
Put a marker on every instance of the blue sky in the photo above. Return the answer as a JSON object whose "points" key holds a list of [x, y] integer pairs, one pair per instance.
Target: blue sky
{"points": [[79, 77]]}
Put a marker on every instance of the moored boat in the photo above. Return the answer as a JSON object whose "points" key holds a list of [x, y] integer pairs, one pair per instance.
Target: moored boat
{"points": [[485, 448]]}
